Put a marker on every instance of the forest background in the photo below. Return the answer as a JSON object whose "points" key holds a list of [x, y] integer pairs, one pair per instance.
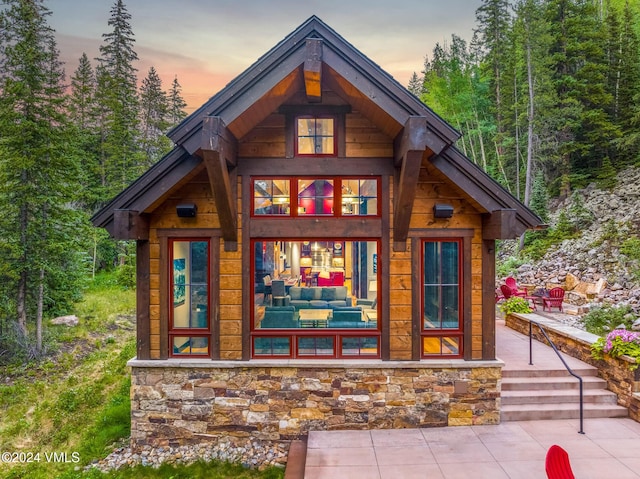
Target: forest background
{"points": [[546, 95]]}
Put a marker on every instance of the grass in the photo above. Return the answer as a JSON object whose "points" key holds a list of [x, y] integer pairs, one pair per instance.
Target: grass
{"points": [[76, 401]]}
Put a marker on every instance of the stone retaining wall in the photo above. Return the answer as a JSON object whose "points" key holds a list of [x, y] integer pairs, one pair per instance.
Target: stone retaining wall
{"points": [[577, 343], [180, 402]]}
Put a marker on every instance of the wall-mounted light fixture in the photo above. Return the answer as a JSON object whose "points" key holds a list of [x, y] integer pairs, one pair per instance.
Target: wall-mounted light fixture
{"points": [[442, 210], [187, 210]]}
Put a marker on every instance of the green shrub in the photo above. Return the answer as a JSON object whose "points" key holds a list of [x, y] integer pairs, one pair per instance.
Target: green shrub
{"points": [[515, 304], [603, 320], [509, 266]]}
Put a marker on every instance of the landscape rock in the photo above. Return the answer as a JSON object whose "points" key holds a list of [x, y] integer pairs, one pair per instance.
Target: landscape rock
{"points": [[70, 320]]}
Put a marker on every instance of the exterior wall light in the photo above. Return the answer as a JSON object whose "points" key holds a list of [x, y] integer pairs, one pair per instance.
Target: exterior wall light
{"points": [[442, 210], [187, 210]]}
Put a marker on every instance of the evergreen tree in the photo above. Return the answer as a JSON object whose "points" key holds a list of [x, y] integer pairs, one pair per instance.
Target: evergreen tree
{"points": [[493, 18], [38, 172], [415, 85], [117, 93], [154, 109], [177, 104]]}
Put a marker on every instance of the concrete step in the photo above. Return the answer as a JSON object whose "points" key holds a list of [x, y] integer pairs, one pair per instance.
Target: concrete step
{"points": [[551, 383], [546, 373], [530, 412], [567, 396]]}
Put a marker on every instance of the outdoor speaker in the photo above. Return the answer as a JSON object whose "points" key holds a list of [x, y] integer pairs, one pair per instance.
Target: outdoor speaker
{"points": [[442, 210], [187, 210]]}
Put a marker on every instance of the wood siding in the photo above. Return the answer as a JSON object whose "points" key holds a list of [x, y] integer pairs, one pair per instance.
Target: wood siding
{"points": [[398, 315]]}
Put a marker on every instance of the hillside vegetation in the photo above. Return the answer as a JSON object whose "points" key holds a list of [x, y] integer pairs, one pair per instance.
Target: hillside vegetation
{"points": [[72, 407]]}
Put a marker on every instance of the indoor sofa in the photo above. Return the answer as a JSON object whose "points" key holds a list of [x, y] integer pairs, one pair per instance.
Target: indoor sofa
{"points": [[319, 297]]}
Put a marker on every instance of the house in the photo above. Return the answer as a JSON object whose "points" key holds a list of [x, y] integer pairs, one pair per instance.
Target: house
{"points": [[314, 253]]}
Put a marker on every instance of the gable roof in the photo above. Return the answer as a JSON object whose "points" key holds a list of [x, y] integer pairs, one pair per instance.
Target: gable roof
{"points": [[274, 78]]}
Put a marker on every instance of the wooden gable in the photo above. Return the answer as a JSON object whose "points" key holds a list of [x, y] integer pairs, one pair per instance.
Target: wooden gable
{"points": [[313, 65]]}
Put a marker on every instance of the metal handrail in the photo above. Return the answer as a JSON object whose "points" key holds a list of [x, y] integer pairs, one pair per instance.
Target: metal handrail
{"points": [[553, 346]]}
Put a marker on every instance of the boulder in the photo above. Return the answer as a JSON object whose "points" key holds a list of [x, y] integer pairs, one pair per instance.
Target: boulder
{"points": [[71, 320]]}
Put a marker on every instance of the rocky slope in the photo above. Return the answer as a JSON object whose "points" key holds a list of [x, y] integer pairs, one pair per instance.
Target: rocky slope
{"points": [[591, 266]]}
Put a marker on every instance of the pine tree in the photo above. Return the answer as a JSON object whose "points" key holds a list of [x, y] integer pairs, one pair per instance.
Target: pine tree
{"points": [[177, 104], [117, 93], [154, 109], [38, 171], [415, 84]]}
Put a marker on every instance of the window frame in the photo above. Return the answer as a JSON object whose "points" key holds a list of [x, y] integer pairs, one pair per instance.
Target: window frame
{"points": [[295, 334], [338, 182], [297, 136], [441, 332], [197, 332]]}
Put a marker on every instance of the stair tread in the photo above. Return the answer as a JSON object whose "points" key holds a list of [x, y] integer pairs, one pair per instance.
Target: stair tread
{"points": [[561, 407], [555, 392]]}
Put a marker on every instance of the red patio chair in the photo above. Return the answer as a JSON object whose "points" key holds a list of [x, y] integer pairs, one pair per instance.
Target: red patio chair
{"points": [[557, 464], [507, 292], [554, 300], [511, 282]]}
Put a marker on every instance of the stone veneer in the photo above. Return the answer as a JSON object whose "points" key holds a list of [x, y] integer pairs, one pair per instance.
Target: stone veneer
{"points": [[177, 402], [577, 343]]}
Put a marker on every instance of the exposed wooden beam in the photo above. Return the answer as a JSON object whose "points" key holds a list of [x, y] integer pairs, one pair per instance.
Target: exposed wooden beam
{"points": [[130, 225], [313, 70], [409, 149], [218, 151], [500, 224]]}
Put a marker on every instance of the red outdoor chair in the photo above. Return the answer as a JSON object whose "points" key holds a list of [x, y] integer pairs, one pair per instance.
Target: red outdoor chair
{"points": [[511, 282], [507, 292], [557, 464], [554, 300]]}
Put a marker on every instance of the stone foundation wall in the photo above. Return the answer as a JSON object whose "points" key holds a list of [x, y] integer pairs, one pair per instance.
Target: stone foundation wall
{"points": [[176, 403], [577, 343]]}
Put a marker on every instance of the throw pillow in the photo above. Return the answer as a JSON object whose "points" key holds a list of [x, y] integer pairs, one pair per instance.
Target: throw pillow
{"points": [[306, 294], [328, 294]]}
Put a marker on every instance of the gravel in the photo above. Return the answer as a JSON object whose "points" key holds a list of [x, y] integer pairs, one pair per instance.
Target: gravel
{"points": [[250, 453]]}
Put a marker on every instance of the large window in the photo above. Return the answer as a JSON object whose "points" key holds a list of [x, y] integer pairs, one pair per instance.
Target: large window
{"points": [[295, 197], [315, 136], [315, 298], [189, 325], [441, 298]]}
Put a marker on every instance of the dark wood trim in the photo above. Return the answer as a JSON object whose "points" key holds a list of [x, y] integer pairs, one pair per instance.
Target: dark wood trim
{"points": [[143, 295], [313, 70], [442, 233], [164, 297], [214, 291], [404, 195], [303, 166], [384, 264], [488, 299], [499, 224], [320, 227], [416, 299], [247, 279], [130, 225], [188, 232], [467, 351], [218, 151]]}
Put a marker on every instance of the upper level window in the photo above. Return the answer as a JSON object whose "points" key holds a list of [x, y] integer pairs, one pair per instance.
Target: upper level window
{"points": [[315, 136]]}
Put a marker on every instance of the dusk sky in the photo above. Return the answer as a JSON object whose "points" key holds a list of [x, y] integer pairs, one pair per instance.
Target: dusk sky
{"points": [[208, 43]]}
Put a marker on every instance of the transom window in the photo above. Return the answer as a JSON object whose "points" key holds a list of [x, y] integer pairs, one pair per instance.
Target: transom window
{"points": [[315, 136], [316, 196], [315, 299], [441, 298], [189, 324]]}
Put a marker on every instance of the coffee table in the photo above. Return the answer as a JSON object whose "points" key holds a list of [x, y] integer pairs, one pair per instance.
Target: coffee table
{"points": [[314, 318]]}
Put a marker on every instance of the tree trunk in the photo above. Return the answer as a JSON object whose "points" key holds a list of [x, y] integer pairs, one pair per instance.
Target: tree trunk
{"points": [[40, 313], [528, 184]]}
